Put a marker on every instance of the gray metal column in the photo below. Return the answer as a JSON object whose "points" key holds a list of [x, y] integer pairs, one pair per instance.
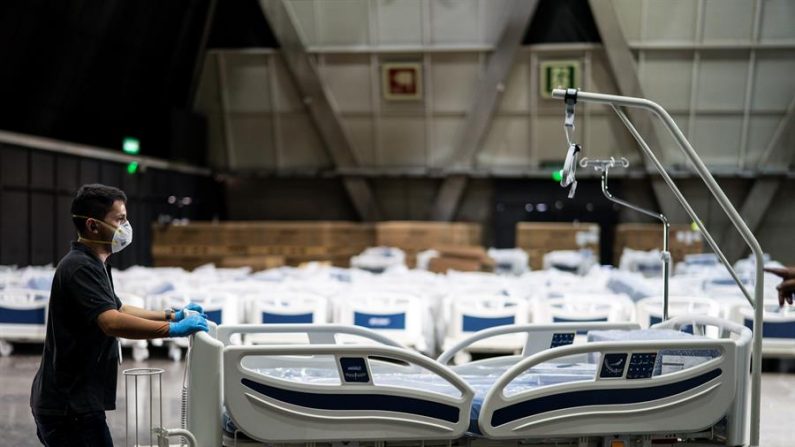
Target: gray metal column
{"points": [[761, 195], [304, 74], [625, 73], [488, 91]]}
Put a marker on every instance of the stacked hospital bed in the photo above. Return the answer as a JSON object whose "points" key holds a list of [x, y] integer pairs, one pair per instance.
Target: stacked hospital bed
{"points": [[424, 311]]}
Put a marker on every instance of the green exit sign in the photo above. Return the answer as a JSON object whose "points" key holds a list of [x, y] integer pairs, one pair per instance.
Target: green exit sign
{"points": [[131, 145], [559, 74]]}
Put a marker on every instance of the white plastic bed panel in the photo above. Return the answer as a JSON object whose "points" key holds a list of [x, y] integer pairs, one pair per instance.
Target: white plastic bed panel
{"points": [[284, 307], [583, 307], [778, 330], [400, 316], [468, 314], [23, 314]]}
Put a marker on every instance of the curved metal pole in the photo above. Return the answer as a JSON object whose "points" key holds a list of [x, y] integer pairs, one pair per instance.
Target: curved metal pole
{"points": [[726, 205], [666, 254]]}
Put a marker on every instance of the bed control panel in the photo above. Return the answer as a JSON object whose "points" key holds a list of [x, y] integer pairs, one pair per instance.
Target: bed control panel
{"points": [[562, 339], [354, 370], [641, 365], [613, 366]]}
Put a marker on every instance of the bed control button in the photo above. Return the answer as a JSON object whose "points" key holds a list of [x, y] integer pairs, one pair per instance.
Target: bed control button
{"points": [[562, 339], [641, 365]]}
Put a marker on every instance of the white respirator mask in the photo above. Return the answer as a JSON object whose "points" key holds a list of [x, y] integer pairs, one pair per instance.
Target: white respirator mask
{"points": [[122, 235]]}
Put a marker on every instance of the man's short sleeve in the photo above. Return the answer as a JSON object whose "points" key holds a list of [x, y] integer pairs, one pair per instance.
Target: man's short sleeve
{"points": [[91, 293]]}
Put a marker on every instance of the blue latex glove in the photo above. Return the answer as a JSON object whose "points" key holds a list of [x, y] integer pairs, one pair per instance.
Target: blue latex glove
{"points": [[189, 325], [180, 314]]}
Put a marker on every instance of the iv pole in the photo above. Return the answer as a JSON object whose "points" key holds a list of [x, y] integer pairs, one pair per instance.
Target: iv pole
{"points": [[571, 96], [604, 166]]}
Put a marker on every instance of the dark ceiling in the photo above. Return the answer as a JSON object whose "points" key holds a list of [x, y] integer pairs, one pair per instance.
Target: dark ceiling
{"points": [[95, 71]]}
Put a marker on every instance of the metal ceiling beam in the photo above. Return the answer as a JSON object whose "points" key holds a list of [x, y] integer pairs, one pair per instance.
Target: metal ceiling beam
{"points": [[625, 74], [761, 195], [488, 90], [201, 52], [304, 73]]}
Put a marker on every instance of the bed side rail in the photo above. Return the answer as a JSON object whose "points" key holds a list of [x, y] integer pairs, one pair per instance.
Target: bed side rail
{"points": [[539, 336], [273, 409], [617, 399], [317, 333], [744, 334]]}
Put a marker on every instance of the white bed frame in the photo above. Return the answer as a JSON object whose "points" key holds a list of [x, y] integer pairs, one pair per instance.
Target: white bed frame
{"points": [[266, 409]]}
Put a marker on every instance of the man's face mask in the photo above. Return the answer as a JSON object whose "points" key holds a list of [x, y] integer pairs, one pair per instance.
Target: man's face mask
{"points": [[122, 235]]}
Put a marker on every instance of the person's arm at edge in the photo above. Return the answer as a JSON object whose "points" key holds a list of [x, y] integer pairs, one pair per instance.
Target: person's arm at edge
{"points": [[121, 324], [153, 315]]}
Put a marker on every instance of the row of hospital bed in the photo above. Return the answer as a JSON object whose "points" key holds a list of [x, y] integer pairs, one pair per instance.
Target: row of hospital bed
{"points": [[421, 310]]}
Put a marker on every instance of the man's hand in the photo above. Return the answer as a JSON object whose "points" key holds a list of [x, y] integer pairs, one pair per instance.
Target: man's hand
{"points": [[787, 286], [190, 325], [180, 314]]}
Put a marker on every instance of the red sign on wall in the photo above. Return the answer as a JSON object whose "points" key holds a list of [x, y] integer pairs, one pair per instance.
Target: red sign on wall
{"points": [[402, 81]]}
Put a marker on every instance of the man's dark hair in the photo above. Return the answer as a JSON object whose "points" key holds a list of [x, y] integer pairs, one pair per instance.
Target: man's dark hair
{"points": [[95, 201]]}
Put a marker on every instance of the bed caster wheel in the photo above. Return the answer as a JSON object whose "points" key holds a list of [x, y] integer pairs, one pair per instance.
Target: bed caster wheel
{"points": [[6, 348], [175, 353], [140, 354]]}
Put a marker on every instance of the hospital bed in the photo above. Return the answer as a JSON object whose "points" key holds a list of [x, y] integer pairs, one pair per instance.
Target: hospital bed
{"points": [[280, 306], [649, 310], [379, 259], [464, 315], [509, 261], [399, 316], [648, 263], [554, 392], [778, 331], [23, 317], [572, 261], [583, 307]]}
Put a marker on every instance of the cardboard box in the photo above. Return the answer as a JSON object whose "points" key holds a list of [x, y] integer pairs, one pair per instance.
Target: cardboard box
{"points": [[415, 236], [297, 242], [539, 238], [185, 262], [682, 240], [443, 264]]}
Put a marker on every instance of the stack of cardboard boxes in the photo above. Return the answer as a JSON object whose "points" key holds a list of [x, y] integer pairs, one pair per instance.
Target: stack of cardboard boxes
{"points": [[259, 244], [682, 241], [462, 259], [415, 236], [539, 238]]}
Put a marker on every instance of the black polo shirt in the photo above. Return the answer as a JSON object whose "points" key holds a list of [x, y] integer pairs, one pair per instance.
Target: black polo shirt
{"points": [[80, 363]]}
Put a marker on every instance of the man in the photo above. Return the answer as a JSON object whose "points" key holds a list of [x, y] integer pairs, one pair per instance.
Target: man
{"points": [[787, 287], [76, 381]]}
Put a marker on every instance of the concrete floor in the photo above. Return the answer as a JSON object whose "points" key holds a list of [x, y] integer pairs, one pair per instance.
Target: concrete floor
{"points": [[17, 427]]}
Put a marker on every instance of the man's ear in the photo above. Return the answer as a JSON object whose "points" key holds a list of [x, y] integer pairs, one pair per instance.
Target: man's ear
{"points": [[92, 226]]}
